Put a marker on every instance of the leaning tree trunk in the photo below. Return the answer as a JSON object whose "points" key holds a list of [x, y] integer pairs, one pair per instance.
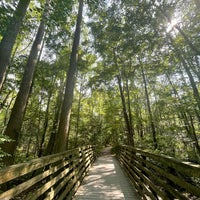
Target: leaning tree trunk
{"points": [[153, 129], [182, 33], [16, 118], [10, 36], [190, 76], [63, 128], [188, 123]]}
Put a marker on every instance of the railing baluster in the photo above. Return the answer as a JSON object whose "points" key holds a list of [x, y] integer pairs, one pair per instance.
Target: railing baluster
{"points": [[48, 177], [160, 177]]}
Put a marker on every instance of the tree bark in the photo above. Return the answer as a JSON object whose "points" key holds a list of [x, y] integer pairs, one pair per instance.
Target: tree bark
{"points": [[4, 100], [63, 129], [57, 111], [10, 36], [45, 125], [78, 115], [153, 129], [194, 137], [17, 114], [129, 107], [126, 117]]}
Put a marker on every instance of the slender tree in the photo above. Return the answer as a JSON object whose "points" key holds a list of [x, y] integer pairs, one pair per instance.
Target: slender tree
{"points": [[181, 31], [45, 125], [126, 111], [153, 129], [10, 36], [80, 96], [190, 75], [130, 140], [16, 118], [188, 121], [51, 142]]}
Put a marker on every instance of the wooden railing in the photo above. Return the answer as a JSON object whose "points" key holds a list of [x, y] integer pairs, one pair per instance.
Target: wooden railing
{"points": [[160, 177], [51, 177]]}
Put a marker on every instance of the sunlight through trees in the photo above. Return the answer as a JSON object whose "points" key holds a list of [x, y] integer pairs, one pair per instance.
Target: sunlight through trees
{"points": [[127, 73]]}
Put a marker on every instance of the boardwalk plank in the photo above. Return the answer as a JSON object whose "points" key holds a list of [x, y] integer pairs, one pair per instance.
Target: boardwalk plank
{"points": [[106, 181]]}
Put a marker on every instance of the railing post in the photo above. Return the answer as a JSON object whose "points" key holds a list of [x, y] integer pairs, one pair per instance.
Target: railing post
{"points": [[50, 194]]}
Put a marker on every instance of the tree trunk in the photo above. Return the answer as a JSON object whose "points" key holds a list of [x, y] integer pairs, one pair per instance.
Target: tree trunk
{"points": [[194, 137], [8, 108], [2, 104], [17, 114], [129, 107], [52, 139], [28, 146], [10, 36], [45, 125], [197, 3], [127, 113], [126, 118], [63, 129], [78, 116], [155, 144], [189, 127], [197, 51], [191, 78], [185, 37], [195, 68]]}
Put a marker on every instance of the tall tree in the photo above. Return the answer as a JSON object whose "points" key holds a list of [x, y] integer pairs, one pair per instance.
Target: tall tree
{"points": [[9, 37], [130, 140], [153, 129], [51, 142], [63, 129], [16, 118], [126, 111]]}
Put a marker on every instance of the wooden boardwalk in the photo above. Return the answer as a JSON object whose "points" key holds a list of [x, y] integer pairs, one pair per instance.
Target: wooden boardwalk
{"points": [[106, 181]]}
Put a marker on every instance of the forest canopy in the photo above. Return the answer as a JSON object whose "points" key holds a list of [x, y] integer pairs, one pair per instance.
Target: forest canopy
{"points": [[102, 72]]}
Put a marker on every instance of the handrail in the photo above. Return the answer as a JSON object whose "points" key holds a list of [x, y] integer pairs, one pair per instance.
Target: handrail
{"points": [[51, 177], [159, 176]]}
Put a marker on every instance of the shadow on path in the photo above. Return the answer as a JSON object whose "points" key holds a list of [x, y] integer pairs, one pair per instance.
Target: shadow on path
{"points": [[106, 181]]}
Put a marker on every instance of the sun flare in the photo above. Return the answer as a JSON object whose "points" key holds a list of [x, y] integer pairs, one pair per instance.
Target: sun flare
{"points": [[171, 25]]}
